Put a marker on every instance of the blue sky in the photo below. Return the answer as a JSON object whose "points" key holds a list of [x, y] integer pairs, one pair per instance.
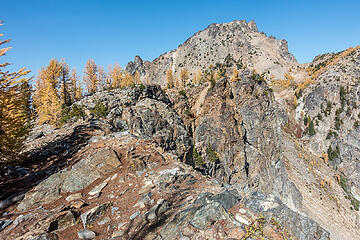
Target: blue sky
{"points": [[116, 31]]}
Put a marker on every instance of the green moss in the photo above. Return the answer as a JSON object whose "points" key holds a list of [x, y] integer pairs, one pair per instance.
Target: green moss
{"points": [[100, 110]]}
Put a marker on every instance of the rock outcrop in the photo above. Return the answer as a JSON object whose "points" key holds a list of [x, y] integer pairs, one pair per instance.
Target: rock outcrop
{"points": [[237, 43], [235, 157]]}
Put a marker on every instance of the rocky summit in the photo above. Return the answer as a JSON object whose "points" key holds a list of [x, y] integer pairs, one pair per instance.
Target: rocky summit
{"points": [[271, 153]]}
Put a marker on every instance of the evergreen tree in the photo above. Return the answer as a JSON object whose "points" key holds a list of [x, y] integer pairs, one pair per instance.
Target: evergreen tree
{"points": [[65, 84], [14, 110]]}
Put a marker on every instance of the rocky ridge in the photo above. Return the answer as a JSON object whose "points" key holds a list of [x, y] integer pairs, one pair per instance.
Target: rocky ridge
{"points": [[238, 42], [237, 159]]}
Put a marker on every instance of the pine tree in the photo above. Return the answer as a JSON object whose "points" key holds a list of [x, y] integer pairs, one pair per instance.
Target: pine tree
{"points": [[91, 77], [14, 110], [169, 78]]}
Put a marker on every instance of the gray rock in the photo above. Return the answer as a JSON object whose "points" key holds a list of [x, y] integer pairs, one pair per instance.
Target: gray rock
{"points": [[113, 210], [5, 223], [299, 226], [47, 236], [35, 136], [98, 189], [86, 234], [208, 213], [102, 162], [105, 220], [133, 216], [93, 214]]}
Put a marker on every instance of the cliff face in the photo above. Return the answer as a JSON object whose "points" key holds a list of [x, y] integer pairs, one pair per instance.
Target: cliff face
{"points": [[236, 158]]}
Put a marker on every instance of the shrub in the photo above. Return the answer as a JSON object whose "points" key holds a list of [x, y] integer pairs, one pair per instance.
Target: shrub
{"points": [[72, 114], [100, 110], [183, 93], [198, 160], [333, 154], [311, 128], [211, 154]]}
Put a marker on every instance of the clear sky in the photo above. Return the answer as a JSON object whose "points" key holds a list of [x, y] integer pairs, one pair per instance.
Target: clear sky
{"points": [[116, 31]]}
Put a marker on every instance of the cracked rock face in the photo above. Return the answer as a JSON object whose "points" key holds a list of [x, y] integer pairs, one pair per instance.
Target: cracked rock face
{"points": [[241, 124]]}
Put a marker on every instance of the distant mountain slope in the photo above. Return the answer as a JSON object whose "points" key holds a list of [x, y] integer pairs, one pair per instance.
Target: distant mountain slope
{"points": [[237, 42]]}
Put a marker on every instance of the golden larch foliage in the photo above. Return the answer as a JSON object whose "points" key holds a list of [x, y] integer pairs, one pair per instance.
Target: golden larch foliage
{"points": [[169, 78], [127, 81], [76, 90], [115, 75], [49, 96], [184, 76], [137, 78], [102, 78], [198, 76], [235, 75], [14, 110], [91, 77]]}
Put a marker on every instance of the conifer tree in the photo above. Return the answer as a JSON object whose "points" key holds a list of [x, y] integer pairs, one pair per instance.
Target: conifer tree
{"points": [[235, 74], [184, 76], [197, 76], [51, 92], [137, 78], [65, 84], [127, 81], [14, 110], [91, 77], [75, 86], [115, 75], [169, 78], [102, 78]]}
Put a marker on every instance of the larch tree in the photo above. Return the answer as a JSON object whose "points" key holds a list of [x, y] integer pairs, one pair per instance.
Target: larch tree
{"points": [[14, 117], [76, 91], [184, 76], [169, 78], [102, 78], [115, 75], [235, 74], [197, 76], [137, 80], [127, 81], [49, 96], [91, 77]]}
